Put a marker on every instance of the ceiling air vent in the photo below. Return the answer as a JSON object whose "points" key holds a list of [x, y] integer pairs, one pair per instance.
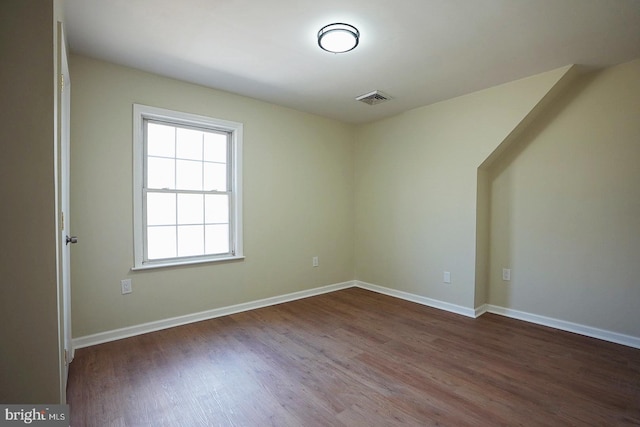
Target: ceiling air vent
{"points": [[373, 98]]}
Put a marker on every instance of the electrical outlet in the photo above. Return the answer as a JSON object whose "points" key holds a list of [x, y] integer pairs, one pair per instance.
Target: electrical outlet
{"points": [[506, 274], [314, 261], [125, 284], [447, 277]]}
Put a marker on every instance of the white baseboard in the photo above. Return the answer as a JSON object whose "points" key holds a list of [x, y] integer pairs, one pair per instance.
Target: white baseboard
{"points": [[144, 328], [458, 309], [563, 325], [479, 311]]}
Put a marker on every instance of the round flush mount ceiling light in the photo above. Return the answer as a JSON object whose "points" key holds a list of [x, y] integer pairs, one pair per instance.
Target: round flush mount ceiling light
{"points": [[338, 38]]}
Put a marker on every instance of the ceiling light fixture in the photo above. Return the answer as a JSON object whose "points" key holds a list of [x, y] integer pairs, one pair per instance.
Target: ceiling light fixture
{"points": [[338, 38]]}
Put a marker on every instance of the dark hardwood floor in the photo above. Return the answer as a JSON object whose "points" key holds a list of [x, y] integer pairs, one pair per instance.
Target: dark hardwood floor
{"points": [[355, 358]]}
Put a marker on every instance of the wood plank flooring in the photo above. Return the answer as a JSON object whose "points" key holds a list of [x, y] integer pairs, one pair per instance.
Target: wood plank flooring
{"points": [[355, 358]]}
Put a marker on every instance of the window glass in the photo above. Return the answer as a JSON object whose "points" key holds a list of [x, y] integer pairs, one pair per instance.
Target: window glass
{"points": [[188, 204]]}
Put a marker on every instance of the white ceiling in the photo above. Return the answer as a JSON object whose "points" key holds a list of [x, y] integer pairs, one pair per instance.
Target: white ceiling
{"points": [[417, 51]]}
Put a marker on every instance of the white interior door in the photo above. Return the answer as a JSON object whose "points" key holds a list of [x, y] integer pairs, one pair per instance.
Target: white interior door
{"points": [[66, 239]]}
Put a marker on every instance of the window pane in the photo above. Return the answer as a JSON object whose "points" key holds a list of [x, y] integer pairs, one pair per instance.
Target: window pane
{"points": [[187, 205], [161, 140], [161, 209], [216, 208], [190, 240], [216, 239], [189, 144], [161, 173], [215, 147], [215, 177], [161, 242], [189, 175], [190, 209]]}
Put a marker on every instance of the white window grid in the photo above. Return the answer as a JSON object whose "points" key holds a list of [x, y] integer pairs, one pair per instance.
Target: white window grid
{"points": [[143, 115], [227, 191]]}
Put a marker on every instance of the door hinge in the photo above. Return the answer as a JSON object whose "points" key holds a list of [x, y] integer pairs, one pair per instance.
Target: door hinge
{"points": [[62, 221], [61, 83]]}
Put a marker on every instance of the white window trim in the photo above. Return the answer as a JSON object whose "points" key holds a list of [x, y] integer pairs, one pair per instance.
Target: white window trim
{"points": [[142, 112]]}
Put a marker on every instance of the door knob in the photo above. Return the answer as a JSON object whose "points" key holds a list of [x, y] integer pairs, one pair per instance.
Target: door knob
{"points": [[72, 239]]}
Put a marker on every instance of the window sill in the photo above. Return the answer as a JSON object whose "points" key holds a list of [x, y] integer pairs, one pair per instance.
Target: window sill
{"points": [[185, 263]]}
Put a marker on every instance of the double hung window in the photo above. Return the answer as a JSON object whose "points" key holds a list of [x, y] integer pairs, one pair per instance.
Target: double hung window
{"points": [[187, 188]]}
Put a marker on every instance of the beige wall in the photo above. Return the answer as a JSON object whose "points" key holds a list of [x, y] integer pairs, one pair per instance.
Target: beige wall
{"points": [[298, 201], [393, 203], [416, 188], [565, 208], [29, 354]]}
